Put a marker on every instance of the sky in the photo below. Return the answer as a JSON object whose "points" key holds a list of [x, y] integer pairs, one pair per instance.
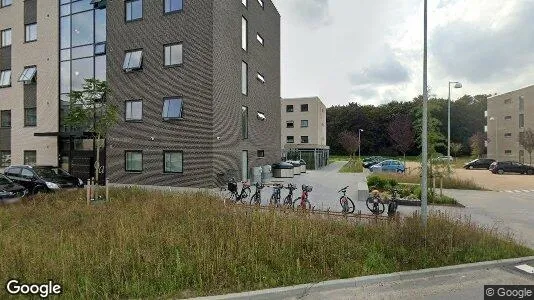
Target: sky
{"points": [[371, 51]]}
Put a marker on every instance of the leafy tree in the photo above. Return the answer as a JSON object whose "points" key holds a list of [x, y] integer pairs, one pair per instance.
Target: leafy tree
{"points": [[89, 110], [456, 148], [401, 133], [527, 141], [350, 142], [476, 142]]}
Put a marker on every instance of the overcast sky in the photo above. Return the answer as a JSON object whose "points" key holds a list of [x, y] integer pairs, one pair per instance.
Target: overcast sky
{"points": [[371, 51]]}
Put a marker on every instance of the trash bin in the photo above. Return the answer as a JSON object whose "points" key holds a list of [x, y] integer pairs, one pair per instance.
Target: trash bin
{"points": [[282, 170], [296, 166], [266, 173], [302, 166]]}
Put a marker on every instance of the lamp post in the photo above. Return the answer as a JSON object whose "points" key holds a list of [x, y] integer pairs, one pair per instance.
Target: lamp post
{"points": [[359, 144], [457, 85], [424, 137], [496, 133]]}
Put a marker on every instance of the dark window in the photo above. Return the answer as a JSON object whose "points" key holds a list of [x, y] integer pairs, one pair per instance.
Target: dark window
{"points": [[521, 120], [289, 108], [172, 108], [134, 10], [100, 49], [173, 55], [304, 107], [290, 124], [134, 110], [5, 3], [30, 33], [261, 153], [133, 60], [290, 139], [261, 3], [244, 122], [30, 158], [28, 75], [5, 158], [244, 78], [133, 161], [507, 134], [304, 139], [507, 101], [303, 123], [173, 162], [507, 151], [30, 116], [508, 117], [5, 78], [173, 5], [6, 38], [5, 118]]}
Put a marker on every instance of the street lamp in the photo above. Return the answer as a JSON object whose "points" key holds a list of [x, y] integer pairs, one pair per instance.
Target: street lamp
{"points": [[496, 133], [359, 143], [457, 85], [424, 133]]}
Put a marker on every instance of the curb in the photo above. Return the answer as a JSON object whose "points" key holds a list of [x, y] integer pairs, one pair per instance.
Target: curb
{"points": [[304, 289]]}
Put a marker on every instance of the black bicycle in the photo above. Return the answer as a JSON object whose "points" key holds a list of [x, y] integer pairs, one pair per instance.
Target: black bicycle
{"points": [[375, 204], [256, 198], [234, 195], [347, 206], [288, 200], [393, 203], [277, 194]]}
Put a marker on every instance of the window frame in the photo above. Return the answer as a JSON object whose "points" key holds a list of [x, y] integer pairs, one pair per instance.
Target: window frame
{"points": [[290, 122], [261, 3], [165, 161], [2, 74], [126, 162], [2, 3], [245, 3], [292, 108], [304, 105], [260, 77], [26, 26], [244, 81], [292, 139], [302, 139], [32, 78], [2, 40], [8, 113], [260, 39], [26, 123], [167, 119], [244, 122], [170, 53], [172, 11], [521, 120], [126, 119], [126, 2], [262, 152], [244, 34], [24, 157], [140, 67], [302, 122]]}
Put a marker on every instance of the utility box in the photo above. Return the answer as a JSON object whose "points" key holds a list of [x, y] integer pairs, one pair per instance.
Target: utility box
{"points": [[282, 170]]}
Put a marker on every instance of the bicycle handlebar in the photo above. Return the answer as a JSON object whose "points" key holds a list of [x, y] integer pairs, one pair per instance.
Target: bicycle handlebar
{"points": [[343, 189]]}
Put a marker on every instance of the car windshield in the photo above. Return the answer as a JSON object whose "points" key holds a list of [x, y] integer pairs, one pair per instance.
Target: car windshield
{"points": [[50, 172], [4, 180]]}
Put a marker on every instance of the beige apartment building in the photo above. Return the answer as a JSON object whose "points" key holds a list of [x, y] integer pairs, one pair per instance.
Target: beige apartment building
{"points": [[304, 130], [508, 116], [29, 104]]}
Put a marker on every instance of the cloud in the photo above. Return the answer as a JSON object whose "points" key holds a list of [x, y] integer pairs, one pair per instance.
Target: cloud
{"points": [[313, 13], [365, 92], [385, 72]]}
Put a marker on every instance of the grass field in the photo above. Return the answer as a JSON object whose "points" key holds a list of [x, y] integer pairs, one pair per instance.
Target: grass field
{"points": [[448, 183], [152, 244], [353, 166]]}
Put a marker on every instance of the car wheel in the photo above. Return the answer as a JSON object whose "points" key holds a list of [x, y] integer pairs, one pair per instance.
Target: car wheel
{"points": [[470, 167], [530, 172], [500, 171]]}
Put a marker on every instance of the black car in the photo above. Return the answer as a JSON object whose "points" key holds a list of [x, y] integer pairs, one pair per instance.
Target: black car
{"points": [[372, 161], [502, 167], [480, 163], [42, 178], [10, 190]]}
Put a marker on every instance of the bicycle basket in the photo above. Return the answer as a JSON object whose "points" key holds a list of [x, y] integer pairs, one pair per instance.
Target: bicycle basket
{"points": [[309, 188], [232, 187]]}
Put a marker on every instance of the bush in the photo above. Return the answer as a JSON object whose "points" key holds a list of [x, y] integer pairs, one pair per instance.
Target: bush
{"points": [[353, 166], [381, 183]]}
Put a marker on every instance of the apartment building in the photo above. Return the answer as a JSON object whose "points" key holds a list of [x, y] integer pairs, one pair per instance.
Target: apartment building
{"points": [[508, 116], [303, 125], [197, 84]]}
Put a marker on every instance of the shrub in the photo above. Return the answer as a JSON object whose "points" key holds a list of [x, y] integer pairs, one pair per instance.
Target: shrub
{"points": [[381, 183]]}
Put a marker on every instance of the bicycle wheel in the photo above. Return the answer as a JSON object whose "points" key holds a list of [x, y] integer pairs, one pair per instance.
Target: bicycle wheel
{"points": [[287, 201], [255, 200], [347, 207], [244, 195], [375, 205], [297, 204]]}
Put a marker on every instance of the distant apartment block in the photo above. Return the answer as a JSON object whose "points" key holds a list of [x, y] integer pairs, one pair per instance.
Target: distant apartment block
{"points": [[508, 116], [304, 128]]}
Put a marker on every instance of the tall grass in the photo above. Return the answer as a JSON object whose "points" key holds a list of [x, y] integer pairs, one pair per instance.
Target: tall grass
{"points": [[448, 182], [353, 166], [153, 244]]}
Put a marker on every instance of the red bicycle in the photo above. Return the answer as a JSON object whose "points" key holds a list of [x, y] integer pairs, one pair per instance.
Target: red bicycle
{"points": [[302, 201]]}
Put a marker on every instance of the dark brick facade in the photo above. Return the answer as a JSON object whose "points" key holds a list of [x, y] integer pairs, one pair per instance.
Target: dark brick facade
{"points": [[209, 81]]}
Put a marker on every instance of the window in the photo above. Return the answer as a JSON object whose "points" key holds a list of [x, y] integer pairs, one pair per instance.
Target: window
{"points": [[5, 158], [133, 161], [261, 153], [244, 122], [303, 123], [244, 78], [30, 116], [508, 134], [259, 38], [508, 117], [134, 110], [134, 10], [289, 108], [521, 120], [521, 103], [173, 162], [290, 139], [133, 60], [28, 75], [244, 2], [244, 33], [521, 136], [5, 3], [31, 33], [260, 116], [261, 3], [173, 55], [304, 139], [6, 38], [172, 108], [290, 124], [304, 107], [5, 118], [30, 158], [100, 49], [507, 101], [5, 78], [507, 151], [173, 5], [260, 78]]}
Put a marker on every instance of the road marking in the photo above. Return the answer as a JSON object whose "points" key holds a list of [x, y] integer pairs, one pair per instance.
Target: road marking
{"points": [[526, 268]]}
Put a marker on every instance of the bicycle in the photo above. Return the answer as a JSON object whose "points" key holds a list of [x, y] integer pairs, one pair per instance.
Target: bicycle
{"points": [[233, 193], [303, 201], [347, 206], [275, 197], [374, 203], [393, 204], [288, 200], [256, 198]]}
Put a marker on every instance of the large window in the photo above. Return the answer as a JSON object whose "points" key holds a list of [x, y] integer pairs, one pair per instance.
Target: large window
{"points": [[172, 108], [173, 5], [173, 162], [5, 3], [303, 123], [81, 69], [244, 33], [134, 10], [289, 108], [304, 107], [5, 38], [134, 110], [30, 116], [30, 33], [244, 78], [5, 78], [173, 55], [133, 161], [5, 158], [521, 120], [5, 118], [82, 31], [133, 60], [28, 74], [244, 122], [304, 139], [30, 157]]}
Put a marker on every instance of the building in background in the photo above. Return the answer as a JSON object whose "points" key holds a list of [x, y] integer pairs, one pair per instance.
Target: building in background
{"points": [[303, 136], [508, 116]]}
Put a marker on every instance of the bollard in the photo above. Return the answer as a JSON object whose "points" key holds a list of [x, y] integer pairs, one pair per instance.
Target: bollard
{"points": [[107, 189], [88, 191]]}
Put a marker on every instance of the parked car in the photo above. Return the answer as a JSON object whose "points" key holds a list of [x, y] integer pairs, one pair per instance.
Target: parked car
{"points": [[388, 166], [372, 161], [444, 158], [479, 163], [42, 178], [9, 190], [502, 167]]}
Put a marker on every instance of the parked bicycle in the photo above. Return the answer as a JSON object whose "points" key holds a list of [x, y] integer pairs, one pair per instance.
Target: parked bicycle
{"points": [[275, 197], [256, 198], [377, 205], [288, 200], [347, 206], [238, 196], [393, 203], [302, 201]]}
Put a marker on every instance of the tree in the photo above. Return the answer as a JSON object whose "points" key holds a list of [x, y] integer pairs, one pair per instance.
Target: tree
{"points": [[349, 141], [401, 133], [527, 141], [88, 110], [456, 148], [477, 144]]}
